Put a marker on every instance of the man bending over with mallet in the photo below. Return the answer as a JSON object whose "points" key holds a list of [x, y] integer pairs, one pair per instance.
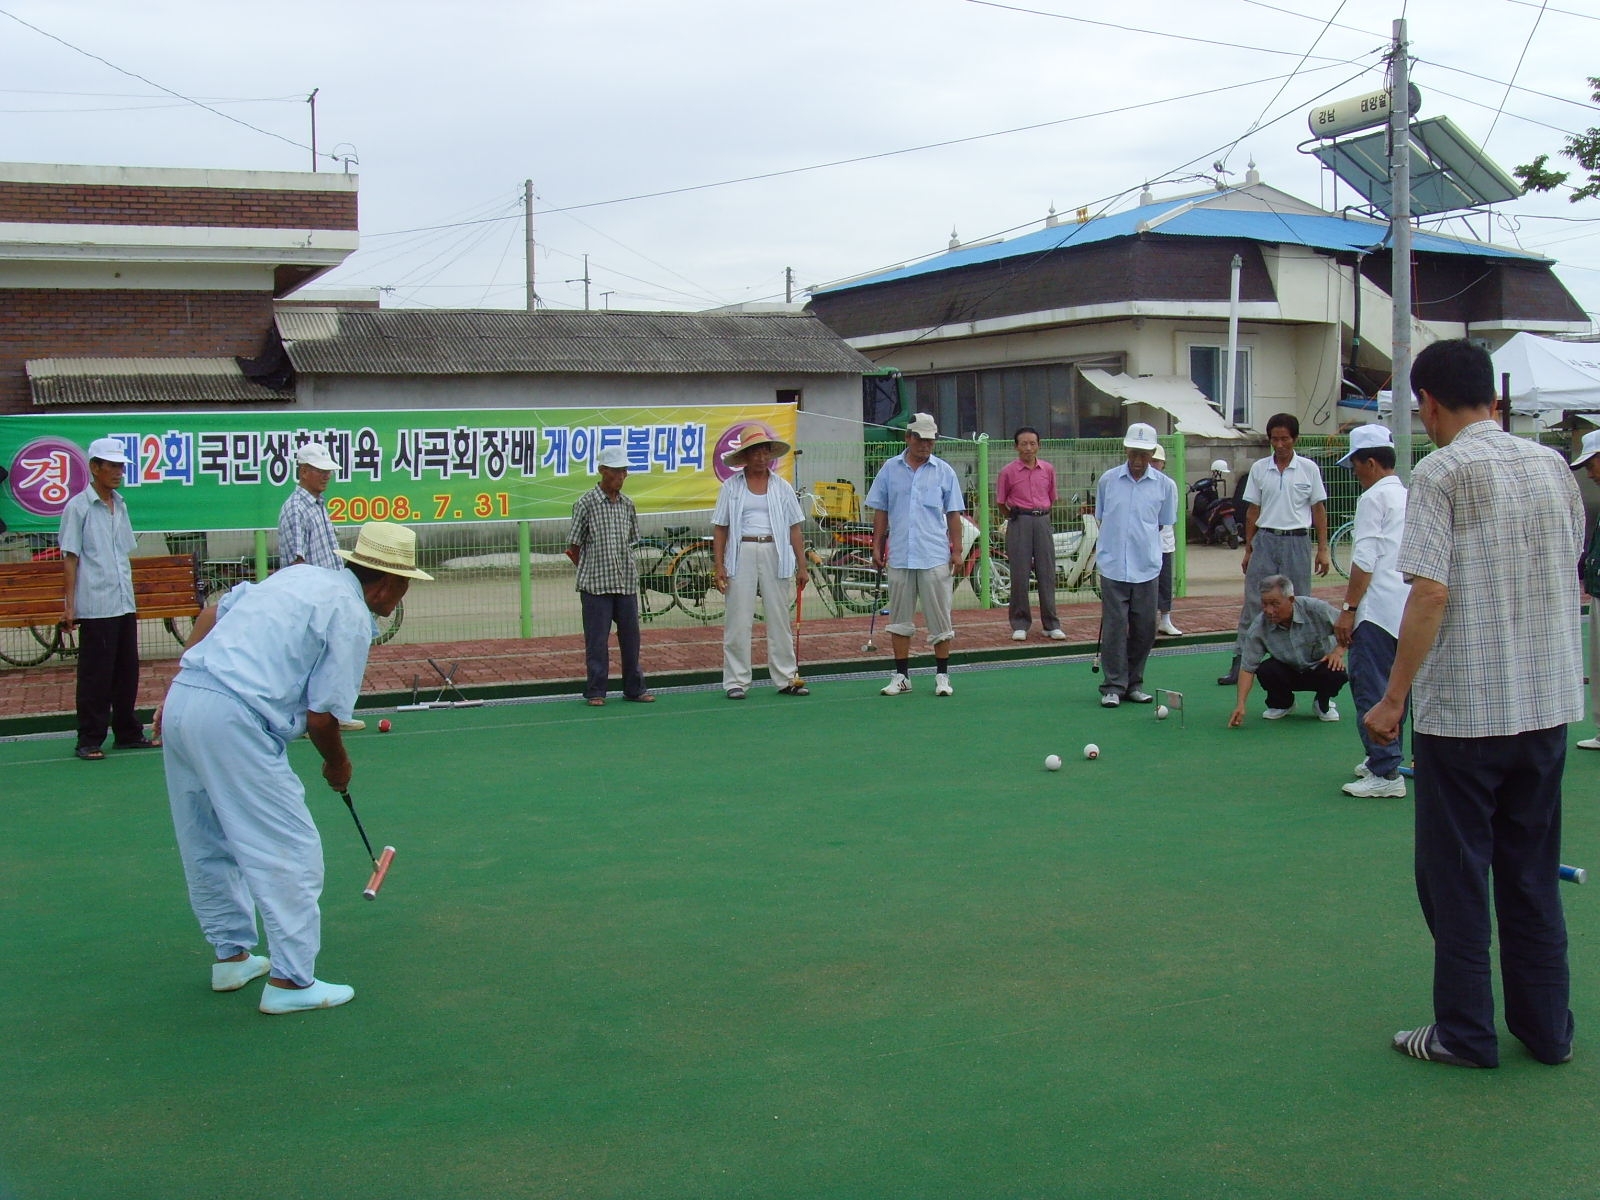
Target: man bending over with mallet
{"points": [[271, 661]]}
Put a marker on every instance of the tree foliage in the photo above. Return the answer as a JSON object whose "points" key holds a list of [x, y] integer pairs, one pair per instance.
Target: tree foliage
{"points": [[1582, 148]]}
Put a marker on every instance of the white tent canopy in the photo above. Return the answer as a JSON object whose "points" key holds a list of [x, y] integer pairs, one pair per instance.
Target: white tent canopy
{"points": [[1549, 377], [1172, 394]]}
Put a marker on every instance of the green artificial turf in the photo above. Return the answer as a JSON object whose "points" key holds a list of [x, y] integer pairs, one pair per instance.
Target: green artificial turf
{"points": [[839, 946]]}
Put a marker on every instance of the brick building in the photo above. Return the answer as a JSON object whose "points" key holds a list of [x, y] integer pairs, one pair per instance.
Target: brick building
{"points": [[149, 285]]}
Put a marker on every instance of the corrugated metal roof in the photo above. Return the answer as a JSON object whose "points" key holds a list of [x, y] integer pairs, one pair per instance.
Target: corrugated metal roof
{"points": [[429, 342], [1215, 215], [66, 381]]}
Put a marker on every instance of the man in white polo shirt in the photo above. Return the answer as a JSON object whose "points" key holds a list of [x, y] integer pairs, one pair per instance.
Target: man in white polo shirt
{"points": [[1285, 506], [1374, 600]]}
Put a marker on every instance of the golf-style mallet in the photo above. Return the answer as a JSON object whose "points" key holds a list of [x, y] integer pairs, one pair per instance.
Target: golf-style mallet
{"points": [[799, 609], [872, 626], [1573, 874], [380, 864], [1094, 663]]}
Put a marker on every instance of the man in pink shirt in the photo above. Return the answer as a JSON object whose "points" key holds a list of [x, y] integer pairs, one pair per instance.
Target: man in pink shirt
{"points": [[1026, 492]]}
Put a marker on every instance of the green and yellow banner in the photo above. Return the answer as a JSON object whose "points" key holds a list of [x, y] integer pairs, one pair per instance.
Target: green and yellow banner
{"points": [[233, 470]]}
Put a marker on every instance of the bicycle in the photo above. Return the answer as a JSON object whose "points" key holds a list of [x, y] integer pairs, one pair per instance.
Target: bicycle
{"points": [[1341, 545], [846, 577], [681, 567]]}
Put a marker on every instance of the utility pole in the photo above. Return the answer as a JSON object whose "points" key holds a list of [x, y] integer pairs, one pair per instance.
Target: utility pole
{"points": [[585, 280], [1400, 241], [532, 301], [312, 101], [788, 285]]}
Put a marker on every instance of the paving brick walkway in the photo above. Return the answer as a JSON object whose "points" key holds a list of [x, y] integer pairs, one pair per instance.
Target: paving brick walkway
{"points": [[669, 655]]}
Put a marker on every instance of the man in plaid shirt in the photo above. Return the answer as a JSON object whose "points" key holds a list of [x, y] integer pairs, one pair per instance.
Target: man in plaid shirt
{"points": [[305, 534], [1491, 653], [604, 529]]}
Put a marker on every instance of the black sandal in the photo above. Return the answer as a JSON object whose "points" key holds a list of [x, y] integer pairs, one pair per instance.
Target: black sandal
{"points": [[90, 753], [795, 689]]}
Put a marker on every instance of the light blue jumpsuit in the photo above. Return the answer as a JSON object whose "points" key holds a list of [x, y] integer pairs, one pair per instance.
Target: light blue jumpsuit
{"points": [[296, 642]]}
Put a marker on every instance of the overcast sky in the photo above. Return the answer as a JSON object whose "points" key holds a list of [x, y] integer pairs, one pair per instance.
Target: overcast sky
{"points": [[606, 104]]}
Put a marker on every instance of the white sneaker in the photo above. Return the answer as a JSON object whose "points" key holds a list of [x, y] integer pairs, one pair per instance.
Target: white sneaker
{"points": [[1589, 744], [899, 685], [1166, 626], [1362, 770], [941, 686], [277, 1000], [1019, 635], [231, 976], [1110, 700], [1331, 713], [1273, 714], [352, 726], [1057, 635], [1377, 785]]}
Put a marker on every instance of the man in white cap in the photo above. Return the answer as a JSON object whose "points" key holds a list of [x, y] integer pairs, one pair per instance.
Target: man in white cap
{"points": [[605, 526], [96, 542], [270, 661], [759, 546], [1589, 459], [305, 534], [1374, 600], [1285, 509], [1133, 502], [916, 536]]}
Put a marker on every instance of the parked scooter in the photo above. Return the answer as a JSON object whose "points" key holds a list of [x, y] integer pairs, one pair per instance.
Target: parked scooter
{"points": [[1216, 514]]}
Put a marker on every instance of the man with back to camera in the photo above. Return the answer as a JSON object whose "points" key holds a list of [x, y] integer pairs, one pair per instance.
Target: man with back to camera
{"points": [[1490, 652], [1169, 552], [916, 535], [1292, 646], [1133, 502], [1588, 459], [1025, 492], [605, 526], [1285, 506], [1374, 599], [269, 661], [96, 542]]}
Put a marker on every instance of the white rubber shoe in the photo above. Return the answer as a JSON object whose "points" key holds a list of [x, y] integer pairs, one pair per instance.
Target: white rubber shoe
{"points": [[276, 1000], [231, 976], [1331, 713], [1276, 714], [941, 686], [1166, 626], [1019, 635], [1377, 785], [1057, 635]]}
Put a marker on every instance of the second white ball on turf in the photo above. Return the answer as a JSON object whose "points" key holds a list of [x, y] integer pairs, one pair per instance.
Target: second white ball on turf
{"points": [[1162, 712], [1091, 751], [1052, 762]]}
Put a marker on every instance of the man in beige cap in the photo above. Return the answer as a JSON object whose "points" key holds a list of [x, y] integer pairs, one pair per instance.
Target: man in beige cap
{"points": [[270, 661]]}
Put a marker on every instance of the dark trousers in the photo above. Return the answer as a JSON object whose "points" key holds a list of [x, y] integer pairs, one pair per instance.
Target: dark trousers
{"points": [[1281, 682], [1031, 550], [108, 680], [1127, 631], [600, 613], [1164, 583], [1485, 806], [1372, 650]]}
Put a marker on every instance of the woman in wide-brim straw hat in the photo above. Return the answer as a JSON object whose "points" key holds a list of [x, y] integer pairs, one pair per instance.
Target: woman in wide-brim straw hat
{"points": [[760, 549]]}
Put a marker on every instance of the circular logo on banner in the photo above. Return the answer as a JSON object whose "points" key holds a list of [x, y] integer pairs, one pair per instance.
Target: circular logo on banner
{"points": [[729, 441], [46, 473]]}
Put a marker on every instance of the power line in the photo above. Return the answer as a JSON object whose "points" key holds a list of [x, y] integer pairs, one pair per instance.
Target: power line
{"points": [[1515, 71], [1265, 108], [159, 87], [1565, 12]]}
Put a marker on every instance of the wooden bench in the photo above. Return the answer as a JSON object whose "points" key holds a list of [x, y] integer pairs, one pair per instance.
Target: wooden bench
{"points": [[165, 587]]}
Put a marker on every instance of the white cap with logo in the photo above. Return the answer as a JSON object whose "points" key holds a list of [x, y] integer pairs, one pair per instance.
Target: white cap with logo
{"points": [[315, 455], [1141, 437]]}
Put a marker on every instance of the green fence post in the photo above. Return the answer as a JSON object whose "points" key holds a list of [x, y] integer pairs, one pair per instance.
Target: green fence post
{"points": [[980, 501], [525, 575], [261, 555]]}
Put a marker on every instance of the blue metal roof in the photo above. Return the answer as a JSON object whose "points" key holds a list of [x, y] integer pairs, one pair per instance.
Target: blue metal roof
{"points": [[1321, 232]]}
